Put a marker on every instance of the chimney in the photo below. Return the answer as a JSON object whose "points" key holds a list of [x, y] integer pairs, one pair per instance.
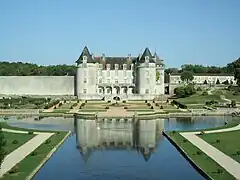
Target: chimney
{"points": [[103, 56]]}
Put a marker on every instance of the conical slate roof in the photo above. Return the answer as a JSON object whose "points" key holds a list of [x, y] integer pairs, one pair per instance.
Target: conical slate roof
{"points": [[146, 53], [158, 60], [85, 52]]}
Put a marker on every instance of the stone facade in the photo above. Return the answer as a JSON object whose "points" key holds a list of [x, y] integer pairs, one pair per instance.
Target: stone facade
{"points": [[128, 77], [199, 79]]}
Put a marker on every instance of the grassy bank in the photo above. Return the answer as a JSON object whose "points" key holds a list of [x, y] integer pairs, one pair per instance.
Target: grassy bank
{"points": [[23, 169], [15, 140], [227, 142], [200, 159]]}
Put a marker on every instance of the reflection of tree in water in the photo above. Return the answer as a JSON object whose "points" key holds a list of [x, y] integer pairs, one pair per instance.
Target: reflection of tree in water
{"points": [[88, 143]]}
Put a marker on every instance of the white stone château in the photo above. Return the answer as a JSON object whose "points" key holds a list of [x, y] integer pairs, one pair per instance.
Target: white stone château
{"points": [[130, 78]]}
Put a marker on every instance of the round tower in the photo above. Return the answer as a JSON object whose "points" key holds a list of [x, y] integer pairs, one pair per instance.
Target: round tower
{"points": [[160, 86], [86, 75], [146, 74]]}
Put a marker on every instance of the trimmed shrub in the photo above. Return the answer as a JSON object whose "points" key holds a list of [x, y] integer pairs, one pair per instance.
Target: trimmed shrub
{"points": [[34, 153], [15, 169], [149, 104], [124, 101], [151, 107], [156, 104], [145, 101], [48, 141], [205, 93], [15, 141], [85, 101], [161, 107], [107, 107], [199, 152], [125, 107], [109, 101], [30, 132], [71, 107]]}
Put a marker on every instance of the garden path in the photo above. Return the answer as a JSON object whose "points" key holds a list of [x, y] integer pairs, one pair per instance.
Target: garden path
{"points": [[23, 151], [232, 166]]}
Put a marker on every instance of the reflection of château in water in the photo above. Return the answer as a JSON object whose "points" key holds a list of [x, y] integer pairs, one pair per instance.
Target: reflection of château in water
{"points": [[107, 134]]}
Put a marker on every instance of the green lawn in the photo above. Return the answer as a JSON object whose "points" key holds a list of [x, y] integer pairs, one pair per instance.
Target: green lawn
{"points": [[26, 166], [172, 110], [140, 110], [208, 165], [92, 110], [15, 140], [61, 110], [227, 142], [200, 99]]}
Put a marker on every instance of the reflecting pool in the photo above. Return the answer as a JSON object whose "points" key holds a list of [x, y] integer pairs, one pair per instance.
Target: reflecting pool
{"points": [[123, 149]]}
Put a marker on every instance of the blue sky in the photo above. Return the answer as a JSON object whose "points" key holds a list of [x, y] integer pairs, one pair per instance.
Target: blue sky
{"points": [[182, 31]]}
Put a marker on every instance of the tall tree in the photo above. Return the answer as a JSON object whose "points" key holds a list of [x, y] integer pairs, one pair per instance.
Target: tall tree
{"points": [[187, 76], [236, 67]]}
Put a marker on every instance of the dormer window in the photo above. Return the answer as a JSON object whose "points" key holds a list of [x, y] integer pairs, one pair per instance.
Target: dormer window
{"points": [[124, 66], [108, 66], [116, 66], [84, 59], [147, 59]]}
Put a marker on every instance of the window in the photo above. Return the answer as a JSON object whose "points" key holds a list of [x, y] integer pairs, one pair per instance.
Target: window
{"points": [[100, 91], [84, 91], [100, 73], [116, 66], [146, 59], [108, 66], [124, 66], [85, 80], [124, 73], [84, 59], [147, 73], [100, 66], [100, 81], [116, 81], [116, 73], [146, 91]]}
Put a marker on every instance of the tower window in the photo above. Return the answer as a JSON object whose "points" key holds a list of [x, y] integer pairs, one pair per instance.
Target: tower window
{"points": [[124, 66], [116, 66], [84, 59], [146, 91], [147, 59], [85, 80], [84, 91]]}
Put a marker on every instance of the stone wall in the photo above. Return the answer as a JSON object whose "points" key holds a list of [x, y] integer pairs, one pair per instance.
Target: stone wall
{"points": [[37, 85]]}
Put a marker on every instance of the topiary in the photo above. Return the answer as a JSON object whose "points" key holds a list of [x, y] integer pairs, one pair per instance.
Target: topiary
{"points": [[125, 107], [15, 141], [30, 132]]}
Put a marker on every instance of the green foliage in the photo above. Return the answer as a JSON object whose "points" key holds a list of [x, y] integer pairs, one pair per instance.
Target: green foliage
{"points": [[187, 76], [225, 82], [205, 93], [28, 69], [233, 103], [205, 82], [179, 104], [157, 75], [199, 89], [2, 144], [185, 91], [217, 82], [236, 70]]}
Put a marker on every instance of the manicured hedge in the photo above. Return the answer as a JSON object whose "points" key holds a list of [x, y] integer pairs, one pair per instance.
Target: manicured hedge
{"points": [[179, 104]]}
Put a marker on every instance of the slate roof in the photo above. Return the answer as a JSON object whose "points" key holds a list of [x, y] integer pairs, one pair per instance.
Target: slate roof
{"points": [[158, 60], [146, 53], [85, 52], [119, 60]]}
